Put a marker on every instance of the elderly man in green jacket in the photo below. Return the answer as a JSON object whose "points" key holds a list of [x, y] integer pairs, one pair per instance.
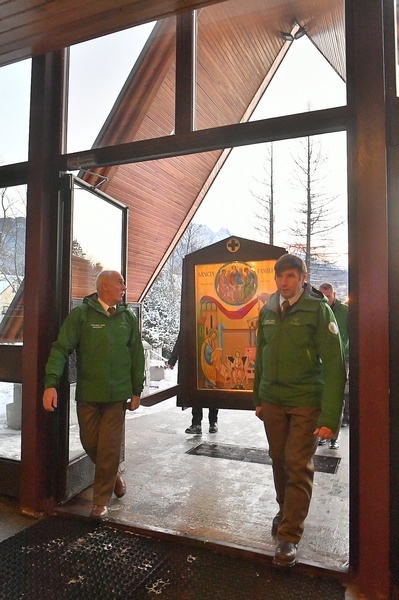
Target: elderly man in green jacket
{"points": [[110, 377], [341, 313], [298, 391]]}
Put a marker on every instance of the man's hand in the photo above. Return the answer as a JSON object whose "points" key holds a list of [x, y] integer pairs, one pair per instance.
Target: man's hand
{"points": [[324, 433], [134, 403], [258, 412], [50, 398]]}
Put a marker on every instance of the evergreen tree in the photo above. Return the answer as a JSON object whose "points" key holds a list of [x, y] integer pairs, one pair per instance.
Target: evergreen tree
{"points": [[161, 306]]}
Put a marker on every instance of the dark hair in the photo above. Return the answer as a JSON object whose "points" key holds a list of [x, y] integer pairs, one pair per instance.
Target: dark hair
{"points": [[290, 261]]}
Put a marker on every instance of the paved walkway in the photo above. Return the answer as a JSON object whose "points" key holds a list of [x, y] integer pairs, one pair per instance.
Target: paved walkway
{"points": [[226, 501]]}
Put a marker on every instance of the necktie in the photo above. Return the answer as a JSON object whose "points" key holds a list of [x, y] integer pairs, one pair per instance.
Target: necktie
{"points": [[111, 310], [284, 308]]}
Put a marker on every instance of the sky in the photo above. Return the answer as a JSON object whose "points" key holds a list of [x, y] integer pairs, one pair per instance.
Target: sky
{"points": [[99, 69]]}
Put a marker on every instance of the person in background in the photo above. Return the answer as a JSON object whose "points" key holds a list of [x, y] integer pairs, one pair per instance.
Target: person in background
{"points": [[298, 391], [197, 411], [341, 313], [110, 377]]}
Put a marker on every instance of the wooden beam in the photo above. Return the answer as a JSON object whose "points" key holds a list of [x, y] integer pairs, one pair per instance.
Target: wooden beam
{"points": [[185, 73], [16, 174], [368, 293], [205, 140], [393, 280], [39, 437]]}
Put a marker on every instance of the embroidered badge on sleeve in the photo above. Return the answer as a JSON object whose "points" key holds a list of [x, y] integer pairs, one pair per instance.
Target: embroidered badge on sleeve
{"points": [[333, 327]]}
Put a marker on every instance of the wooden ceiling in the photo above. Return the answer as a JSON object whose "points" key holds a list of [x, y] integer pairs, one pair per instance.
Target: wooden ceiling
{"points": [[33, 27], [239, 48]]}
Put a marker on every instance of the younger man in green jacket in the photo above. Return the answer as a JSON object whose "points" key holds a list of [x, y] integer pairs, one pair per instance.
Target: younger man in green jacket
{"points": [[298, 391], [110, 377]]}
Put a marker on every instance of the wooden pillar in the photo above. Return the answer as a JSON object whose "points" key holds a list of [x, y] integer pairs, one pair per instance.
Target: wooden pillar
{"points": [[393, 248], [185, 73], [369, 314], [45, 143]]}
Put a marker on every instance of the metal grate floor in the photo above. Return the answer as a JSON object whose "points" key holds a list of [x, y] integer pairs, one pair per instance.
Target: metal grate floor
{"points": [[66, 558], [324, 464]]}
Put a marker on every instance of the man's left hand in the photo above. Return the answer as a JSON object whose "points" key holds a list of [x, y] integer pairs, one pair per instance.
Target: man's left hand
{"points": [[134, 403], [258, 412], [324, 433]]}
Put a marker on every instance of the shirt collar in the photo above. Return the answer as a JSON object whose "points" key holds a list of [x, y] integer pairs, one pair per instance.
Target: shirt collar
{"points": [[104, 305], [293, 299]]}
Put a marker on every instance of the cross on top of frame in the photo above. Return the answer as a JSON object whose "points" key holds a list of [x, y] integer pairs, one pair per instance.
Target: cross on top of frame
{"points": [[233, 245]]}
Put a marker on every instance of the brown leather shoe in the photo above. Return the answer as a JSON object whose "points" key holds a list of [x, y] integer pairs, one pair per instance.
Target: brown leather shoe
{"points": [[120, 486], [276, 522], [99, 511], [285, 555]]}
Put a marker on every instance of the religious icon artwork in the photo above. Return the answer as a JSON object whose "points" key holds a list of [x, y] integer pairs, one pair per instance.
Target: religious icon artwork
{"points": [[228, 300]]}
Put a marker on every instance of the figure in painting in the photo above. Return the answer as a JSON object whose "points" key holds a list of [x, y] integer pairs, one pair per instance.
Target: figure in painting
{"points": [[252, 334], [238, 371], [249, 284], [223, 288], [236, 283], [211, 358]]}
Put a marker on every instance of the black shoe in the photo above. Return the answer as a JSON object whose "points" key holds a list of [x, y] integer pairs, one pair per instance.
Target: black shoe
{"points": [[322, 442], [285, 555], [276, 522], [194, 429], [333, 445], [345, 422], [213, 427]]}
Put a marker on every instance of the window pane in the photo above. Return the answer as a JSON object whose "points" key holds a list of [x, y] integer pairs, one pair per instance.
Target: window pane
{"points": [[268, 185], [10, 420], [12, 262], [241, 51], [121, 87], [14, 112], [96, 240]]}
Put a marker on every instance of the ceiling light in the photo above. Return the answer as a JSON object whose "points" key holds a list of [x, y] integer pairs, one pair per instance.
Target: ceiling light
{"points": [[287, 37], [300, 33]]}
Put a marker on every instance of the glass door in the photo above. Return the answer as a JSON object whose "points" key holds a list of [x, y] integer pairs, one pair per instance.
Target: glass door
{"points": [[97, 242]]}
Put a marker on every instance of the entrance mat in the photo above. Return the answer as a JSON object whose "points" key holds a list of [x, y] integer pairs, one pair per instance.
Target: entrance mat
{"points": [[324, 464], [67, 558]]}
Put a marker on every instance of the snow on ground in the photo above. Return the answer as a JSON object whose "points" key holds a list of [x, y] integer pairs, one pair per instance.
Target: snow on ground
{"points": [[10, 439]]}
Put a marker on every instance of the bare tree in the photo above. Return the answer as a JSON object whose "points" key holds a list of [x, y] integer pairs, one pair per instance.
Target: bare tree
{"points": [[192, 239], [161, 307], [266, 198], [12, 237], [318, 216]]}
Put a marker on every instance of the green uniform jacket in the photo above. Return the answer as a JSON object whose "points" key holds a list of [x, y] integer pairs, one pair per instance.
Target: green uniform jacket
{"points": [[299, 360], [109, 351], [341, 313]]}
